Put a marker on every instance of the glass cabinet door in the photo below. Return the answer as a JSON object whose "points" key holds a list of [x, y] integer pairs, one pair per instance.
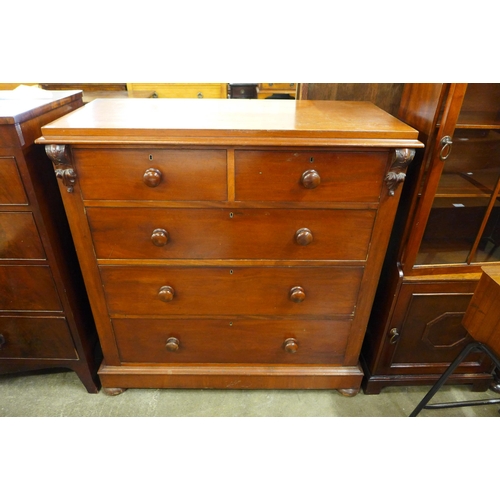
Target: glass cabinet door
{"points": [[464, 222]]}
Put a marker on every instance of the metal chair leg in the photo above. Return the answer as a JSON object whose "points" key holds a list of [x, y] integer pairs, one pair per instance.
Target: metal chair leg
{"points": [[472, 347]]}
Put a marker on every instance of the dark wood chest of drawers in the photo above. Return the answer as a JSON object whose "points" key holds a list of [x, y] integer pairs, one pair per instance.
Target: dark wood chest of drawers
{"points": [[45, 317], [230, 244]]}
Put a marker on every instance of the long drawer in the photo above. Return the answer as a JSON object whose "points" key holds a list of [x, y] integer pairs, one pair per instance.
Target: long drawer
{"points": [[145, 233], [34, 337], [155, 290], [309, 176], [28, 288], [151, 174], [225, 341], [19, 238]]}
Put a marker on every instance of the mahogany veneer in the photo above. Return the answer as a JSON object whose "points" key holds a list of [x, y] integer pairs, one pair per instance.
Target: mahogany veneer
{"points": [[230, 244]]}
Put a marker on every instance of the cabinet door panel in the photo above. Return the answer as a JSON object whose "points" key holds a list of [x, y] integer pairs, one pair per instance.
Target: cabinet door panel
{"points": [[428, 318]]}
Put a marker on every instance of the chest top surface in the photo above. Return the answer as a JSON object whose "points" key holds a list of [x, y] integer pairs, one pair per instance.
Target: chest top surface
{"points": [[17, 108], [242, 121]]}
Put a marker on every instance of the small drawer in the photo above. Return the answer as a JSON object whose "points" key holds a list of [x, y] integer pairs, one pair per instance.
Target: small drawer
{"points": [[309, 176], [151, 174], [28, 288], [144, 233], [35, 337], [178, 90], [283, 291], [231, 341], [19, 238], [277, 86], [11, 187]]}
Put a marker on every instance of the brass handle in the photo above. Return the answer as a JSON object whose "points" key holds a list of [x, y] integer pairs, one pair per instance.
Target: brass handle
{"points": [[297, 294], [303, 236], [291, 345], [2, 341], [152, 177], [446, 143], [154, 95], [394, 336], [172, 344], [310, 179], [160, 237], [200, 95], [166, 294]]}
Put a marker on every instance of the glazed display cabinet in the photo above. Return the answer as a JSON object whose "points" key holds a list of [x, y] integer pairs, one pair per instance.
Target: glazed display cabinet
{"points": [[447, 226]]}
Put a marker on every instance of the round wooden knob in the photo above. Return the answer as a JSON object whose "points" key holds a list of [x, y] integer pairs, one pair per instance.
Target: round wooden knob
{"points": [[166, 293], [297, 294], [310, 179], [303, 236], [159, 237], [172, 344], [291, 346], [152, 177]]}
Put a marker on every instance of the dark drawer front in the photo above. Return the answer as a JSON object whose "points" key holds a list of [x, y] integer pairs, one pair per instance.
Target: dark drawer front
{"points": [[312, 176], [28, 288], [11, 187], [152, 174], [225, 234], [231, 291], [19, 238], [35, 337], [225, 341]]}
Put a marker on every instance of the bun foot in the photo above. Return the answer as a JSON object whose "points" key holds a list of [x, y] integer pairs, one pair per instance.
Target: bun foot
{"points": [[113, 391], [348, 393]]}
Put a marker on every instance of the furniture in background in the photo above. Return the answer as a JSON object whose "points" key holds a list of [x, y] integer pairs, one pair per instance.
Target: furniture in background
{"points": [[45, 317], [242, 91], [386, 96], [482, 322], [276, 90], [446, 228], [232, 244], [178, 90]]}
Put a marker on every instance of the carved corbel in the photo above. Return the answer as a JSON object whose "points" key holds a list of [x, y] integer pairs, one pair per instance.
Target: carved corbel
{"points": [[59, 154], [396, 175]]}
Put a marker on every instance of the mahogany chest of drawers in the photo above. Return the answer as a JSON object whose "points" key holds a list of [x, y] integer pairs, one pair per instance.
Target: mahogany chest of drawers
{"points": [[45, 316], [230, 244]]}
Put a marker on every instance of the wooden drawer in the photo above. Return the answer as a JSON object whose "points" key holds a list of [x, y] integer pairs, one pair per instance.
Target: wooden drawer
{"points": [[178, 90], [230, 234], [151, 174], [282, 176], [278, 86], [156, 290], [11, 187], [19, 238], [235, 341], [35, 337], [28, 288]]}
